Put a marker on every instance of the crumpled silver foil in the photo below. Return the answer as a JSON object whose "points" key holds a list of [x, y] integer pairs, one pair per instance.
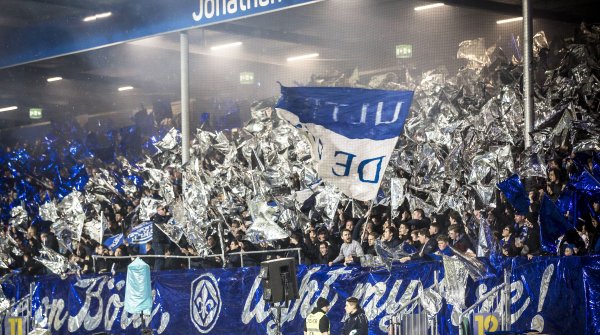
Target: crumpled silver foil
{"points": [[430, 300], [69, 226], [455, 281], [474, 266], [53, 261], [389, 255], [474, 51], [264, 226], [327, 203], [49, 212], [94, 229], [147, 208], [19, 218]]}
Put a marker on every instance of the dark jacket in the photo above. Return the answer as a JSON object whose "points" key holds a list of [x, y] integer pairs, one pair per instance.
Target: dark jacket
{"points": [[357, 321], [426, 251], [462, 244], [394, 243]]}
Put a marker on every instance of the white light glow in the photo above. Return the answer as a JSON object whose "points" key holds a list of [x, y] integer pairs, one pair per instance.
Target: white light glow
{"points": [[97, 16], [53, 79], [6, 109], [302, 57], [514, 19], [125, 88], [433, 5], [225, 46]]}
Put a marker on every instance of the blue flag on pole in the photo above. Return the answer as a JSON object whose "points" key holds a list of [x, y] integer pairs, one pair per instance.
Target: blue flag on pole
{"points": [[352, 132], [515, 194], [114, 242], [553, 225]]}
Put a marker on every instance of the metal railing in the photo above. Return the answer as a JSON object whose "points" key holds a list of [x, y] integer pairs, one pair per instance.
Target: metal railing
{"points": [[413, 319], [497, 299], [190, 258], [21, 309]]}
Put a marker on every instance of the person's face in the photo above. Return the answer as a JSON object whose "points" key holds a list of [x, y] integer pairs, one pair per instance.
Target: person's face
{"points": [[118, 252], [403, 230], [346, 237], [387, 235], [433, 230], [505, 232], [442, 245], [415, 237], [99, 250], [452, 234], [371, 239], [596, 207], [322, 237], [452, 221], [552, 176], [519, 218], [161, 211], [416, 215], [210, 241], [30, 232], [422, 239], [323, 249], [312, 234], [233, 245], [349, 308], [568, 252], [325, 309], [594, 223], [349, 225]]}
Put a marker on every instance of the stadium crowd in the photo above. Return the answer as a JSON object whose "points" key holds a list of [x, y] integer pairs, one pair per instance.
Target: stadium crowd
{"points": [[344, 241]]}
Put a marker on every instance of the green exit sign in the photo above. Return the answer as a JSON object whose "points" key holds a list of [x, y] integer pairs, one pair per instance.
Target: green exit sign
{"points": [[35, 113], [404, 51], [246, 78]]}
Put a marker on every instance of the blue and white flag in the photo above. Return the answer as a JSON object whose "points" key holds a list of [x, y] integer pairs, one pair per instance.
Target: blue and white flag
{"points": [[141, 234], [353, 132], [113, 242], [138, 236]]}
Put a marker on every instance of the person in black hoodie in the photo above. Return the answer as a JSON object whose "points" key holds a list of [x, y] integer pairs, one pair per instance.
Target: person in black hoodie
{"points": [[356, 323], [390, 237], [429, 247], [325, 254], [160, 241]]}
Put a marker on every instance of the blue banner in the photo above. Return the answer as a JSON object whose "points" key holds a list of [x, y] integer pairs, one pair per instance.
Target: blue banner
{"points": [[515, 193], [229, 301], [126, 21]]}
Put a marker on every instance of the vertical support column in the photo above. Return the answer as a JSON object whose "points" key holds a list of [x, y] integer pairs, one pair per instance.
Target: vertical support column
{"points": [[506, 318], [222, 241], [185, 98], [528, 72]]}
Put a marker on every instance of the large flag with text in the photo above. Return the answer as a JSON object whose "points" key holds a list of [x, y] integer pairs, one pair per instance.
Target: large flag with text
{"points": [[353, 132]]}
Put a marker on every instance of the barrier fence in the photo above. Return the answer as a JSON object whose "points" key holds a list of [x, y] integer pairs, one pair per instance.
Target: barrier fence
{"points": [[190, 258]]}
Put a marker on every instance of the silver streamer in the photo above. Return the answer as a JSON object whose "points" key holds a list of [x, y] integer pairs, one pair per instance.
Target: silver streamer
{"points": [[147, 208], [19, 218], [49, 212], [69, 226], [264, 226], [53, 261], [455, 281]]}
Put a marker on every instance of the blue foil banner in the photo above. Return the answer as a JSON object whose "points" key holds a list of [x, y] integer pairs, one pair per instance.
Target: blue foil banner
{"points": [[515, 193], [229, 301]]}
